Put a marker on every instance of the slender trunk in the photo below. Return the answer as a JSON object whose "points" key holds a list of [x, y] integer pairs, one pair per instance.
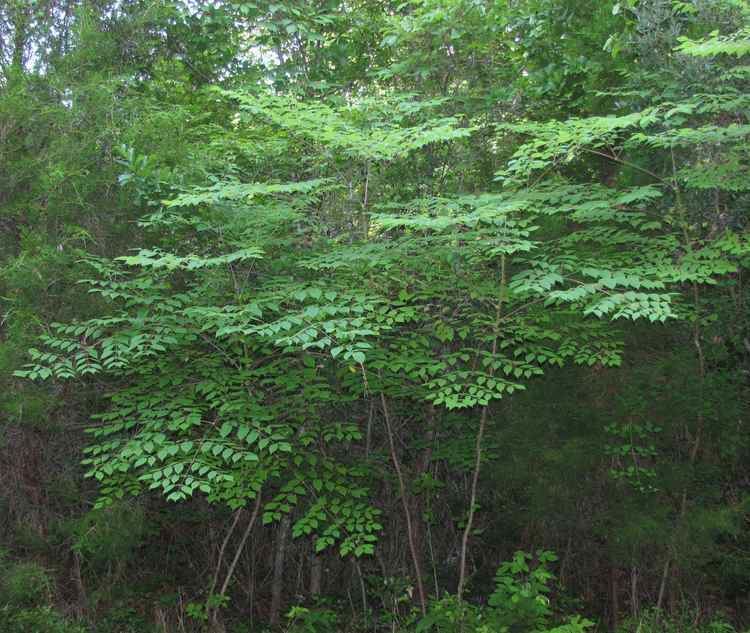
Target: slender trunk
{"points": [[565, 561], [241, 546], [432, 561], [82, 601], [365, 221], [417, 503], [368, 435], [663, 584], [213, 612], [472, 502], [478, 446], [278, 570], [675, 592], [20, 28], [222, 549], [669, 568], [615, 603], [363, 592], [316, 575], [251, 586], [697, 438], [405, 503], [634, 592]]}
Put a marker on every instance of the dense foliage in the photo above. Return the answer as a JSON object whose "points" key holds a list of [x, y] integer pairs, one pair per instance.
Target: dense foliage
{"points": [[425, 315]]}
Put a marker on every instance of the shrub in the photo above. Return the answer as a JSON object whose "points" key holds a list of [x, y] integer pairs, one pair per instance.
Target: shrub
{"points": [[105, 535], [24, 585], [518, 603], [38, 620], [302, 620], [652, 621]]}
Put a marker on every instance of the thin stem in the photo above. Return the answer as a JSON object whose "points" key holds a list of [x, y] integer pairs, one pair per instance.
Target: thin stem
{"points": [[626, 163], [213, 610], [405, 504], [696, 335], [241, 546], [222, 549], [478, 445]]}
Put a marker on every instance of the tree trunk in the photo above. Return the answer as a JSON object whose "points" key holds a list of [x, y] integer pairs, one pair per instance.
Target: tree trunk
{"points": [[213, 610], [20, 28], [316, 575], [82, 599], [406, 506], [277, 584], [478, 446], [417, 503], [615, 603], [634, 592]]}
